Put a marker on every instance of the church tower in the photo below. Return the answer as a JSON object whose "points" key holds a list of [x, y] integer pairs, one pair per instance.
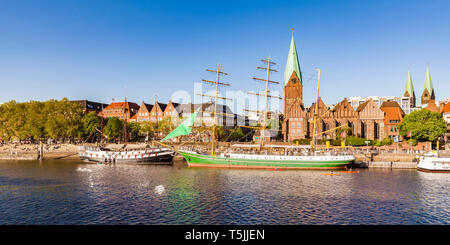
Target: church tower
{"points": [[294, 123], [409, 91], [428, 90]]}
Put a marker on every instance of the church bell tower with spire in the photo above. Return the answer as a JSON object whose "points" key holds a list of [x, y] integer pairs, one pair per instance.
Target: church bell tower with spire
{"points": [[428, 90], [294, 125], [409, 91]]}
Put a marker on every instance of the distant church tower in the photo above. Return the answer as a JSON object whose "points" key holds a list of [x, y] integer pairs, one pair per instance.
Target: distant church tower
{"points": [[409, 91], [293, 97], [428, 90]]}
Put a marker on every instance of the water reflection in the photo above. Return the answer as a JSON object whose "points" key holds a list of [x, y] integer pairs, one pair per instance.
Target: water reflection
{"points": [[64, 192]]}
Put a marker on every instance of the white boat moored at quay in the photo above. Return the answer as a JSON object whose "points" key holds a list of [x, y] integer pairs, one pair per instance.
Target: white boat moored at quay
{"points": [[432, 162]]}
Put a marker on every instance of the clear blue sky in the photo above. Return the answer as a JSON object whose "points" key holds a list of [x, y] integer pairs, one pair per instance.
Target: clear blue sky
{"points": [[98, 50]]}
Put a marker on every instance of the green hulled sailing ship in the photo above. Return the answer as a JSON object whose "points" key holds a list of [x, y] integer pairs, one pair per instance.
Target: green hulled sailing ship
{"points": [[314, 160]]}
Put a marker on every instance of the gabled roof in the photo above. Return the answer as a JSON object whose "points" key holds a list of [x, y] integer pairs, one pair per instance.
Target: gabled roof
{"points": [[292, 64], [162, 106], [343, 104], [175, 105], [147, 106], [120, 105], [190, 108], [363, 105], [431, 106], [392, 110], [321, 104], [445, 108], [392, 113], [390, 104]]}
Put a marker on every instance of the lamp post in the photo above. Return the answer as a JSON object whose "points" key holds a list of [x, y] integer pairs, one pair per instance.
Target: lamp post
{"points": [[367, 143]]}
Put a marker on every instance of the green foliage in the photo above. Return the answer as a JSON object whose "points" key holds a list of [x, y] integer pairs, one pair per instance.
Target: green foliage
{"points": [[356, 141], [413, 142], [347, 131], [133, 129], [89, 125], [423, 124], [237, 134], [333, 142], [113, 129], [64, 119], [36, 120], [387, 141], [148, 128], [166, 125], [221, 133]]}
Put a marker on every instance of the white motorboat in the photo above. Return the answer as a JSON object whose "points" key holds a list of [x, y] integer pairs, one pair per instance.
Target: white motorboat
{"points": [[432, 162]]}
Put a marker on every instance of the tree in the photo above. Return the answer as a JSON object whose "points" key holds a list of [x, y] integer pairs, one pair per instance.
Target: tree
{"points": [[165, 126], [133, 129], [35, 120], [13, 119], [113, 129], [424, 125], [345, 129], [89, 125], [148, 128], [63, 118]]}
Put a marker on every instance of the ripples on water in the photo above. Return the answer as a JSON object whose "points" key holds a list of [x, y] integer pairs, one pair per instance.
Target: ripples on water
{"points": [[73, 192]]}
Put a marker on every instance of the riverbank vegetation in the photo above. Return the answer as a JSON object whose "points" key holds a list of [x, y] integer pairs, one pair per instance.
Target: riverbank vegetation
{"points": [[66, 121], [422, 125]]}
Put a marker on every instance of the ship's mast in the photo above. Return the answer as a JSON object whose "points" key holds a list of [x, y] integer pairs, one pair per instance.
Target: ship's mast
{"points": [[316, 117], [316, 111], [101, 129], [266, 95], [216, 97], [125, 121]]}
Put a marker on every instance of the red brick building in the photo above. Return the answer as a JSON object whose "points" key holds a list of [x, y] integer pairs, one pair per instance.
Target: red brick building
{"points": [[371, 120], [171, 110], [122, 110], [392, 118], [367, 121], [143, 114], [157, 112]]}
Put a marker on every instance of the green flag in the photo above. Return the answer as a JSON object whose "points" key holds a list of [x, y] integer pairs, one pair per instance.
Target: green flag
{"points": [[184, 128]]}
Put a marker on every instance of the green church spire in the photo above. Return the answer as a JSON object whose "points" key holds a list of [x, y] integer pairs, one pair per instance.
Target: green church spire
{"points": [[409, 86], [292, 63], [428, 84]]}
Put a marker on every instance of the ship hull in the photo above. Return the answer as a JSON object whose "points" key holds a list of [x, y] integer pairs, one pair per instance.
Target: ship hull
{"points": [[152, 156], [434, 164], [267, 162]]}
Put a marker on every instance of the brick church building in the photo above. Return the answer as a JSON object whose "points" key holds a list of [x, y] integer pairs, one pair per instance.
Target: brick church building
{"points": [[369, 120]]}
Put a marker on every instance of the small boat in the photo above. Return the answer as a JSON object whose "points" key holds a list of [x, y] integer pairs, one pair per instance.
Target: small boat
{"points": [[156, 155], [330, 174], [432, 162]]}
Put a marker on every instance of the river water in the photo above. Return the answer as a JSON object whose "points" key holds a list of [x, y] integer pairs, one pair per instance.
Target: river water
{"points": [[75, 192]]}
